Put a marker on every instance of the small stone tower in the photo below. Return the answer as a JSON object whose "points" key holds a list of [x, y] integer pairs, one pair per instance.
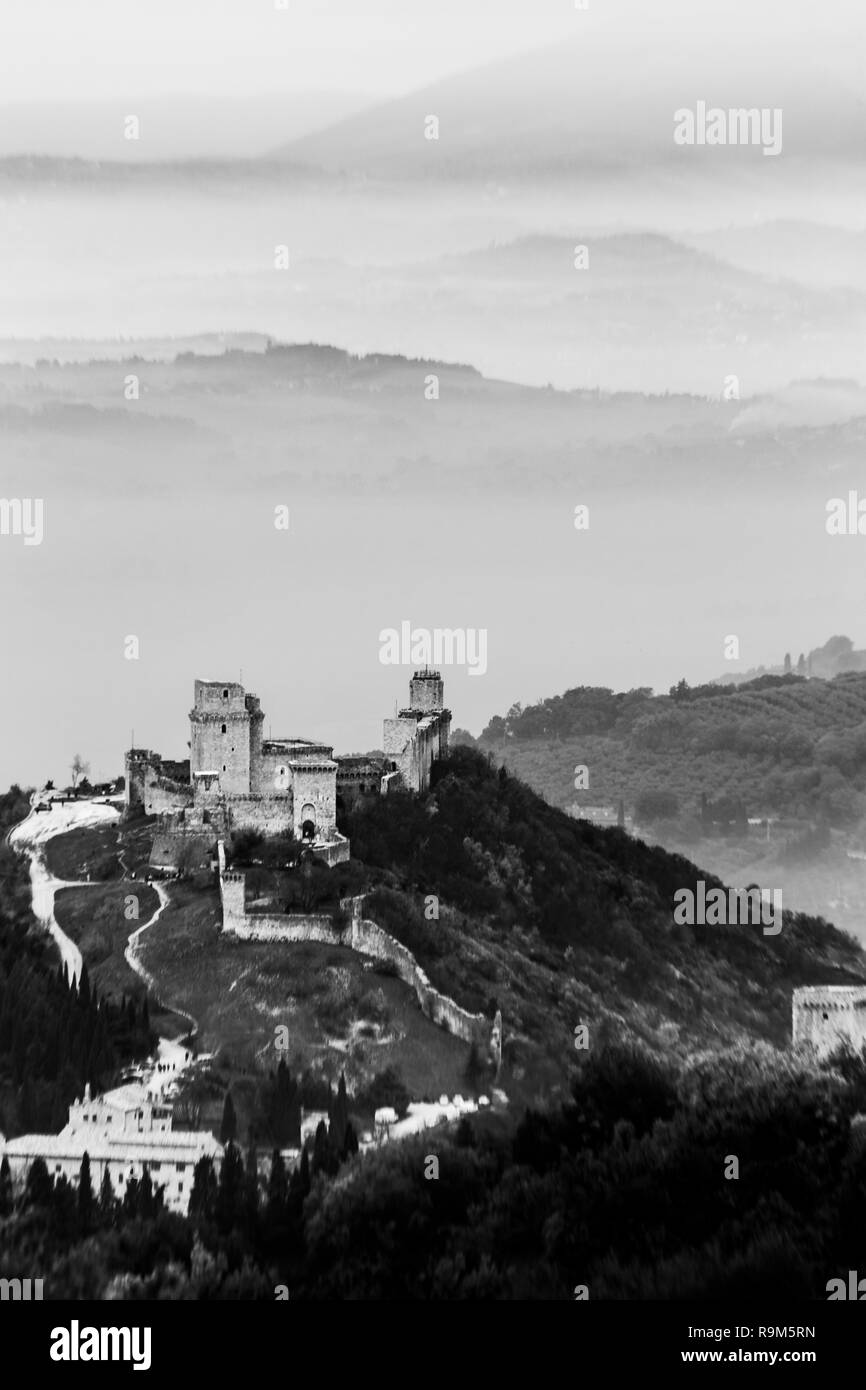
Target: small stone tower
{"points": [[826, 1016]]}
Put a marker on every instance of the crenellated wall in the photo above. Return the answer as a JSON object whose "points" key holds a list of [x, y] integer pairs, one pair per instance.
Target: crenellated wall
{"points": [[361, 935], [370, 939]]}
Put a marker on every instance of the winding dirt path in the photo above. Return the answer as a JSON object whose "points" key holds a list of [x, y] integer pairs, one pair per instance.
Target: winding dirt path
{"points": [[30, 836]]}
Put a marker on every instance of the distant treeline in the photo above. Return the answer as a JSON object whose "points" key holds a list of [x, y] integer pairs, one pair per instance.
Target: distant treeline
{"points": [[784, 745]]}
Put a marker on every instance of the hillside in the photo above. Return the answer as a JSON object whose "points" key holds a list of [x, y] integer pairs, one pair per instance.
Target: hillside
{"points": [[784, 745], [551, 920], [558, 922], [547, 110], [692, 767], [612, 1183]]}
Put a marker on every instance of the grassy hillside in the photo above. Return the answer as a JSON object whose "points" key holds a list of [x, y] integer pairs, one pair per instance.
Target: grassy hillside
{"points": [[95, 917]]}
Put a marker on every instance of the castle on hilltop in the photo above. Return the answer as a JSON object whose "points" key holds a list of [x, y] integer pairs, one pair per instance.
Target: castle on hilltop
{"points": [[237, 780]]}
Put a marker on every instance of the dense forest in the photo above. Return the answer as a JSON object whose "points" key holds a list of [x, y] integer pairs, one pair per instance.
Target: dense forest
{"points": [[628, 1190]]}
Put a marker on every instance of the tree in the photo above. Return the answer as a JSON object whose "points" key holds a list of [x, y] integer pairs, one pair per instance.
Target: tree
{"points": [[350, 1143], [148, 1201], [230, 1191], [229, 1126], [39, 1188], [79, 768], [5, 1187], [202, 1199], [322, 1151], [339, 1115], [303, 1174], [283, 1107], [787, 663], [278, 1189], [464, 1137], [85, 1194], [106, 1197]]}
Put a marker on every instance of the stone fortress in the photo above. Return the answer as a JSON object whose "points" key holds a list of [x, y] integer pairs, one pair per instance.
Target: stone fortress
{"points": [[237, 780], [825, 1016]]}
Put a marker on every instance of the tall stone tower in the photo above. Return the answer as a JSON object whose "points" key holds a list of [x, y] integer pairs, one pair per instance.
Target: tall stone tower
{"points": [[225, 734], [427, 691], [418, 735]]}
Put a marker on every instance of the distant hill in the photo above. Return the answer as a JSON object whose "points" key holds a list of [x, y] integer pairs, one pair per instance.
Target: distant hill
{"points": [[694, 767], [188, 126], [550, 110], [783, 744], [837, 656]]}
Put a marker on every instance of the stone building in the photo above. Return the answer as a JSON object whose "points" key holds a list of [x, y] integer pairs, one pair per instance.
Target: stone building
{"points": [[416, 737], [824, 1016], [125, 1132], [237, 780]]}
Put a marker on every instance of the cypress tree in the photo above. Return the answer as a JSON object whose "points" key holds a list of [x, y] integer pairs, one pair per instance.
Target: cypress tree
{"points": [[5, 1187], [147, 1204], [321, 1150], [39, 1187], [106, 1197], [304, 1173], [85, 1194], [278, 1189], [130, 1198], [229, 1126], [230, 1191], [202, 1200]]}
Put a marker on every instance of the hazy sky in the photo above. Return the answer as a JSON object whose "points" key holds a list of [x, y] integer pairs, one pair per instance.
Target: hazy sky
{"points": [[88, 50], [69, 50]]}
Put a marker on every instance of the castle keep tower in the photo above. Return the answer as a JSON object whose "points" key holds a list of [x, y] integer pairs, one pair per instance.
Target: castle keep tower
{"points": [[418, 736], [225, 735], [427, 692]]}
